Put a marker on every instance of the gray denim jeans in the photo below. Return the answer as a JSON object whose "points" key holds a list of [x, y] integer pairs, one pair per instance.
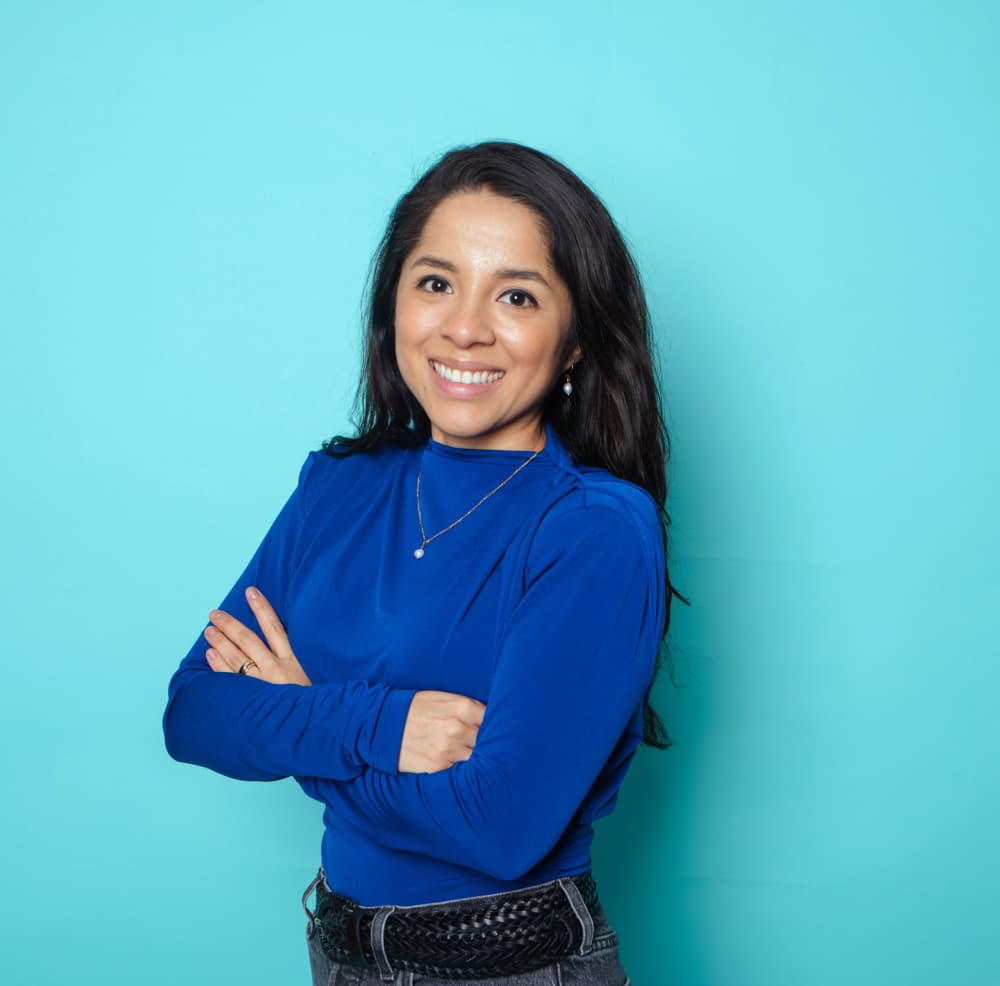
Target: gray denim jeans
{"points": [[599, 964]]}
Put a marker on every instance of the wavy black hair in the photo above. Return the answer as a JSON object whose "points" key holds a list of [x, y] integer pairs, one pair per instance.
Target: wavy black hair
{"points": [[614, 419]]}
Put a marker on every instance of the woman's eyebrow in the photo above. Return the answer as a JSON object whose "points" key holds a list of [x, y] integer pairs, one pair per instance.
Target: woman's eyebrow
{"points": [[428, 261], [521, 274], [505, 273]]}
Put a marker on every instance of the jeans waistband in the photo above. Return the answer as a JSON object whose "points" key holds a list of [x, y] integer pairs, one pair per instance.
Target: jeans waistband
{"points": [[470, 937]]}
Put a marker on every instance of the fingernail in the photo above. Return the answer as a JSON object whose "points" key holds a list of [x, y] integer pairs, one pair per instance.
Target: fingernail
{"points": [[215, 614], [252, 594]]}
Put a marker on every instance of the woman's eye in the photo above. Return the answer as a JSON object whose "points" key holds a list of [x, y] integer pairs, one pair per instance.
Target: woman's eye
{"points": [[435, 285], [519, 299]]}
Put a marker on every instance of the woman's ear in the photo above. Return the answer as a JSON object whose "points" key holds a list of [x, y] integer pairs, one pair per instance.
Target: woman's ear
{"points": [[572, 359]]}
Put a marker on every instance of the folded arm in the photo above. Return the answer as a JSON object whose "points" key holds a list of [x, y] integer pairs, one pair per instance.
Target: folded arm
{"points": [[251, 729], [575, 664]]}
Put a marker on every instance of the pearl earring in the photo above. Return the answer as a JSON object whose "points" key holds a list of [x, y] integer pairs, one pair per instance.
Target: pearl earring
{"points": [[567, 385]]}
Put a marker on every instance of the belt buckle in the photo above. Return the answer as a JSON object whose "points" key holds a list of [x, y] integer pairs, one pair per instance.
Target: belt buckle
{"points": [[352, 929]]}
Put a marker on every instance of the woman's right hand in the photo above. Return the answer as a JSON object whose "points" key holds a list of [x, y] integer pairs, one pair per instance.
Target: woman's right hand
{"points": [[440, 730]]}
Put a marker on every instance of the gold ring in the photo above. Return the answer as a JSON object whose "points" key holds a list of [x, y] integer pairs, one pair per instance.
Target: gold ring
{"points": [[246, 665]]}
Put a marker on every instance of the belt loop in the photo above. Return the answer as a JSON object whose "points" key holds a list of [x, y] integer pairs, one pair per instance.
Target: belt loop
{"points": [[312, 886], [385, 970], [583, 915]]}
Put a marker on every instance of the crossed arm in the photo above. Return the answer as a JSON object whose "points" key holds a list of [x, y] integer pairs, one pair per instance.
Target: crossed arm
{"points": [[440, 727], [273, 723], [433, 772], [574, 665]]}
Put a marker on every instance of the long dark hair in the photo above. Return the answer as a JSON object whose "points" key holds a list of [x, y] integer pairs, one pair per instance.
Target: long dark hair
{"points": [[614, 419]]}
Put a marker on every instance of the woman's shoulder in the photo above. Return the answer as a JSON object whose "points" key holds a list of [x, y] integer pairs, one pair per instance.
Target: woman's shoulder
{"points": [[599, 488], [600, 498], [336, 469], [596, 496], [595, 510]]}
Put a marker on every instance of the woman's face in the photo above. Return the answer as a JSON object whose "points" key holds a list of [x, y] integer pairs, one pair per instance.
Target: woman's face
{"points": [[482, 322]]}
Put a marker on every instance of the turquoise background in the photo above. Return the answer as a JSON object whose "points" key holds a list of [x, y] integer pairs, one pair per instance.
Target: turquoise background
{"points": [[189, 195]]}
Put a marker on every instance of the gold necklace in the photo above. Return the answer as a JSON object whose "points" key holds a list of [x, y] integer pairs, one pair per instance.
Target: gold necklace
{"points": [[425, 540]]}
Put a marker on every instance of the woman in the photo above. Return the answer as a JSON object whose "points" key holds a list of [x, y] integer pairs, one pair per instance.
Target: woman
{"points": [[460, 608]]}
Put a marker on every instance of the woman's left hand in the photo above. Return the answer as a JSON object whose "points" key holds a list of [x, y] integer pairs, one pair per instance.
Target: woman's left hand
{"points": [[234, 644]]}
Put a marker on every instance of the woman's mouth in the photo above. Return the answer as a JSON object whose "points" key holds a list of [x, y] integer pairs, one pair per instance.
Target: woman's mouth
{"points": [[466, 376]]}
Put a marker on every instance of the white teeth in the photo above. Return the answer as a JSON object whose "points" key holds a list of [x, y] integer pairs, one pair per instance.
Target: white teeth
{"points": [[466, 376]]}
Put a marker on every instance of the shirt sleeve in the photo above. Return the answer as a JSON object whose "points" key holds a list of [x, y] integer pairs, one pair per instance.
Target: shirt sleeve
{"points": [[250, 729], [576, 660]]}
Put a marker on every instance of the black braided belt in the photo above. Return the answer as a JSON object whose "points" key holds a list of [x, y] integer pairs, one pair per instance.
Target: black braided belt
{"points": [[500, 935]]}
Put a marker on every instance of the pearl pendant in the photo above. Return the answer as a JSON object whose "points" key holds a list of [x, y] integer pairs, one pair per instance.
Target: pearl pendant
{"points": [[567, 388], [418, 554]]}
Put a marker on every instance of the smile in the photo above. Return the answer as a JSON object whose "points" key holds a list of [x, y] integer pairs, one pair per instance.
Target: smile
{"points": [[466, 376]]}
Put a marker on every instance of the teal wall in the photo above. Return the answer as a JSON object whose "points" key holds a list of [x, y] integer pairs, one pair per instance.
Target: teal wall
{"points": [[189, 194]]}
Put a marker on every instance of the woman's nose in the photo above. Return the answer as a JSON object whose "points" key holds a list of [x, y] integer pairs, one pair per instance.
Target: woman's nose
{"points": [[468, 324]]}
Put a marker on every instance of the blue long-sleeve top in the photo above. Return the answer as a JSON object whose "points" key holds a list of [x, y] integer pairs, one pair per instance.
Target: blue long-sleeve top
{"points": [[546, 603]]}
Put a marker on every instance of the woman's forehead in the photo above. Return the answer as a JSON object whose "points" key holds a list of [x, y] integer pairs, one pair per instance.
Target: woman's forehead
{"points": [[486, 229]]}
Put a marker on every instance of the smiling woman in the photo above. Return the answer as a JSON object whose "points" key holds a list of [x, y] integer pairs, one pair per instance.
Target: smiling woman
{"points": [[449, 633], [483, 323]]}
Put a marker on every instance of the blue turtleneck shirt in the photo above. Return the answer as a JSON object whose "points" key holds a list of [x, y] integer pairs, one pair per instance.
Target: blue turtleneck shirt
{"points": [[546, 603]]}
